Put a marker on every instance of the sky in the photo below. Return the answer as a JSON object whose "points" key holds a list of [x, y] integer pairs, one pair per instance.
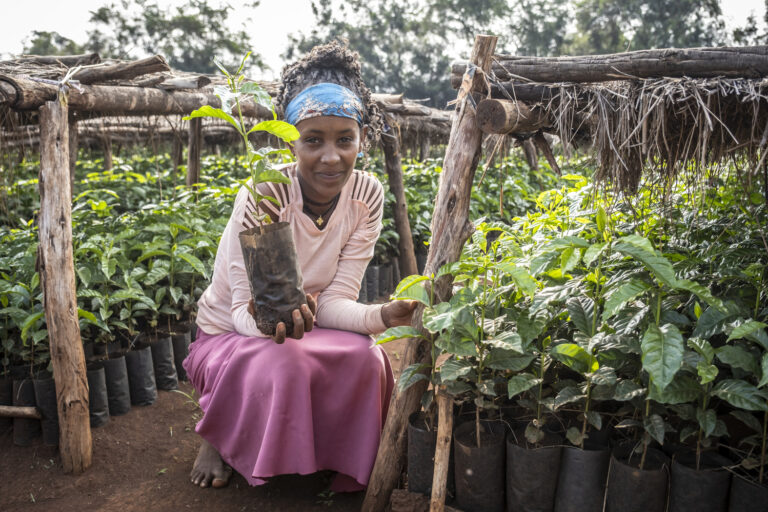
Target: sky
{"points": [[272, 21]]}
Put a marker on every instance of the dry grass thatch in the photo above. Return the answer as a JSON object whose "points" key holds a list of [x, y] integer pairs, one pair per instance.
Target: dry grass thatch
{"points": [[660, 127]]}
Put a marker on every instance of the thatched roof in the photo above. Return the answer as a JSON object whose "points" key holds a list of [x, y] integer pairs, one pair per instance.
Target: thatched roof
{"points": [[647, 122]]}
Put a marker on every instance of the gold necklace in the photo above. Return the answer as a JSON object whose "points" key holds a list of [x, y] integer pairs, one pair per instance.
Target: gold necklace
{"points": [[319, 220]]}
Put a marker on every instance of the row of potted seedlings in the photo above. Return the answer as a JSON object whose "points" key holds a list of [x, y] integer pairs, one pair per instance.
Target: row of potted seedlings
{"points": [[594, 369], [138, 275]]}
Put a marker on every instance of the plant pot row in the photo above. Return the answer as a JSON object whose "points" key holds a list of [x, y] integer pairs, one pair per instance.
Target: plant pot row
{"points": [[379, 281], [506, 473], [115, 383]]}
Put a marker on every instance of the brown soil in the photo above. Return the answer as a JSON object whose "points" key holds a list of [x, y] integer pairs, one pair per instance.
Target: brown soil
{"points": [[141, 463]]}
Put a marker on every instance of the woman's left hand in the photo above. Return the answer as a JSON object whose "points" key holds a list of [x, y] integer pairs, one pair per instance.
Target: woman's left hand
{"points": [[398, 312]]}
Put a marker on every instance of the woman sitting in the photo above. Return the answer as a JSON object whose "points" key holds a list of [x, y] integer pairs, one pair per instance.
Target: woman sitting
{"points": [[318, 400]]}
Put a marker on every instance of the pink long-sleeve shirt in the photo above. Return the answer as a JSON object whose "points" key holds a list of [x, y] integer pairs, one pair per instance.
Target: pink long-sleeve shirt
{"points": [[333, 260]]}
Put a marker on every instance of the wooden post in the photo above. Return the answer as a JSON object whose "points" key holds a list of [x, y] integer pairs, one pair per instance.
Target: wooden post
{"points": [[391, 146], [450, 229], [57, 277], [193, 150], [442, 450], [73, 144], [177, 152], [106, 144]]}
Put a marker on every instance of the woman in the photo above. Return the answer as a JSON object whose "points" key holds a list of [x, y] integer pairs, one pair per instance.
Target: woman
{"points": [[317, 401]]}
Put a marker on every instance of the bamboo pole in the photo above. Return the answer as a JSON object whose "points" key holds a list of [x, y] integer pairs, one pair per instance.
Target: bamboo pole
{"points": [[57, 278], [407, 258], [442, 451], [450, 229], [19, 411], [193, 151]]}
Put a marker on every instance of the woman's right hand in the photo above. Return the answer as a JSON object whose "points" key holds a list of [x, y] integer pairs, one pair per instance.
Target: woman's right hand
{"points": [[303, 320]]}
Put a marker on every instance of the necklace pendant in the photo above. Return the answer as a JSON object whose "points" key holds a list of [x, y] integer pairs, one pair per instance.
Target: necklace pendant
{"points": [[319, 221]]}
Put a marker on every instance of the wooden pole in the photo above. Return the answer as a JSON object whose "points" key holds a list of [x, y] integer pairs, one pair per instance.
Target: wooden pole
{"points": [[21, 93], [506, 116], [57, 277], [193, 150], [736, 62], [8, 411], [407, 259], [450, 229], [73, 144], [177, 153], [106, 144], [442, 451]]}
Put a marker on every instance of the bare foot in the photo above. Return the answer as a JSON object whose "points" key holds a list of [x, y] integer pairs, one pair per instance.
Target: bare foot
{"points": [[209, 469]]}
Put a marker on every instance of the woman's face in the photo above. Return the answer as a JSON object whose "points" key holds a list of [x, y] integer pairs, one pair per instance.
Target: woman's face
{"points": [[326, 153]]}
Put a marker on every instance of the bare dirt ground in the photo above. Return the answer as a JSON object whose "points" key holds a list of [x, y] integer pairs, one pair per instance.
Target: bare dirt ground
{"points": [[141, 463]]}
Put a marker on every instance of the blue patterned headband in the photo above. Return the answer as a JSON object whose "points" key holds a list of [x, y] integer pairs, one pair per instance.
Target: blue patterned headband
{"points": [[324, 99]]}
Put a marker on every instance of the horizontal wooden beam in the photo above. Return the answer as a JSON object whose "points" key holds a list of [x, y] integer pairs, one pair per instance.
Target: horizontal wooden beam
{"points": [[21, 93], [735, 62], [16, 411], [121, 70], [65, 60], [505, 116]]}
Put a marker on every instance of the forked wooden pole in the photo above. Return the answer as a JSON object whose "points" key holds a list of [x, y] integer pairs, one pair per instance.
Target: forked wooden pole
{"points": [[450, 229], [442, 451], [390, 143], [57, 277]]}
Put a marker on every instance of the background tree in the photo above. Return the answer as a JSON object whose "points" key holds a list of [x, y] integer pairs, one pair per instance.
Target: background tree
{"points": [[405, 45], [189, 36], [750, 33], [607, 26], [50, 43]]}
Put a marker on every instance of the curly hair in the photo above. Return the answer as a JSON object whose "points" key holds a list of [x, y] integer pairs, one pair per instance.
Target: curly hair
{"points": [[332, 62]]}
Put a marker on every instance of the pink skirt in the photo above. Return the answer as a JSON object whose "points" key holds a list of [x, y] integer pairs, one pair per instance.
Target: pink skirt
{"points": [[300, 407]]}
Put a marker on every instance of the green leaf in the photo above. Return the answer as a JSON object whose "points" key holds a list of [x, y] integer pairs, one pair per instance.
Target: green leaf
{"points": [[582, 310], [654, 425], [568, 395], [707, 372], [412, 288], [176, 293], [740, 394], [507, 341], [707, 421], [703, 348], [592, 253], [745, 329], [209, 111], [194, 262], [605, 376], [453, 368], [574, 435], [681, 390], [594, 419], [569, 258], [764, 367], [507, 360], [641, 250], [662, 353], [30, 322], [285, 131], [701, 292], [737, 357], [627, 390], [397, 333], [524, 282], [410, 376], [575, 358], [622, 295], [601, 219], [520, 383]]}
